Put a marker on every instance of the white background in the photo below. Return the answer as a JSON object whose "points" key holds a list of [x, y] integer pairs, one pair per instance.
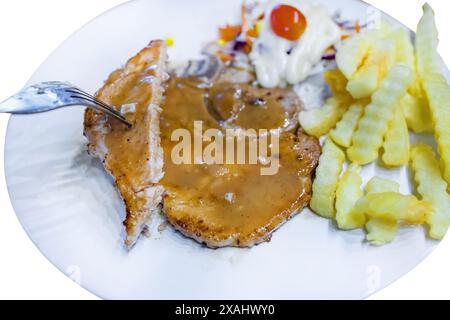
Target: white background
{"points": [[29, 31]]}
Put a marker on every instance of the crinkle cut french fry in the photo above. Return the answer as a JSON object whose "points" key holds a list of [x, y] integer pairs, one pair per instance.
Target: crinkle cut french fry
{"points": [[415, 105], [397, 207], [318, 122], [326, 181], [353, 51], [427, 41], [438, 92], [365, 82], [396, 143], [347, 194], [385, 207], [404, 48], [381, 231], [417, 112], [342, 134], [368, 138], [380, 59], [380, 185], [432, 188], [383, 54]]}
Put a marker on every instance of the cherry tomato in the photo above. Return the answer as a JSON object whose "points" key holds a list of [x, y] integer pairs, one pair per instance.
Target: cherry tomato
{"points": [[288, 22]]}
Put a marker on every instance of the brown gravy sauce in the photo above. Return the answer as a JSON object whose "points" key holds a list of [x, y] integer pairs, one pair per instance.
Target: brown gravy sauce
{"points": [[235, 197], [130, 169]]}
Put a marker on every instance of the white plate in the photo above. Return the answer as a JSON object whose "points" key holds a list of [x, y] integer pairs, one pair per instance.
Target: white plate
{"points": [[72, 212]]}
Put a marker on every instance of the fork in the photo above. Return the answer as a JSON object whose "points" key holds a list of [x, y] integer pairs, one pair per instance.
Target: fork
{"points": [[47, 96]]}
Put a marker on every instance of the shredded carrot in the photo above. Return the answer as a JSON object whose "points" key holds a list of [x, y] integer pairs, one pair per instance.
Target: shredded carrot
{"points": [[229, 32], [224, 56], [254, 32], [247, 30], [245, 24], [358, 27], [345, 36]]}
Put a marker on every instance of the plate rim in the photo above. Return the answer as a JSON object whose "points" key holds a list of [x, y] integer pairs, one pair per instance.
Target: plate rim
{"points": [[74, 33]]}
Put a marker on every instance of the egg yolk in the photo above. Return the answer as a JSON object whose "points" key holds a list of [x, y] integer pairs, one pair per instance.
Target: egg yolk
{"points": [[288, 22]]}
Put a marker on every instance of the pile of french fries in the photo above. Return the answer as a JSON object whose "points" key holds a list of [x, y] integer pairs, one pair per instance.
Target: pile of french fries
{"points": [[384, 87]]}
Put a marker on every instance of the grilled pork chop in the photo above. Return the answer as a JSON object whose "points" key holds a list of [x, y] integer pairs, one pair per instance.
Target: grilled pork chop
{"points": [[234, 205], [219, 205], [133, 156]]}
